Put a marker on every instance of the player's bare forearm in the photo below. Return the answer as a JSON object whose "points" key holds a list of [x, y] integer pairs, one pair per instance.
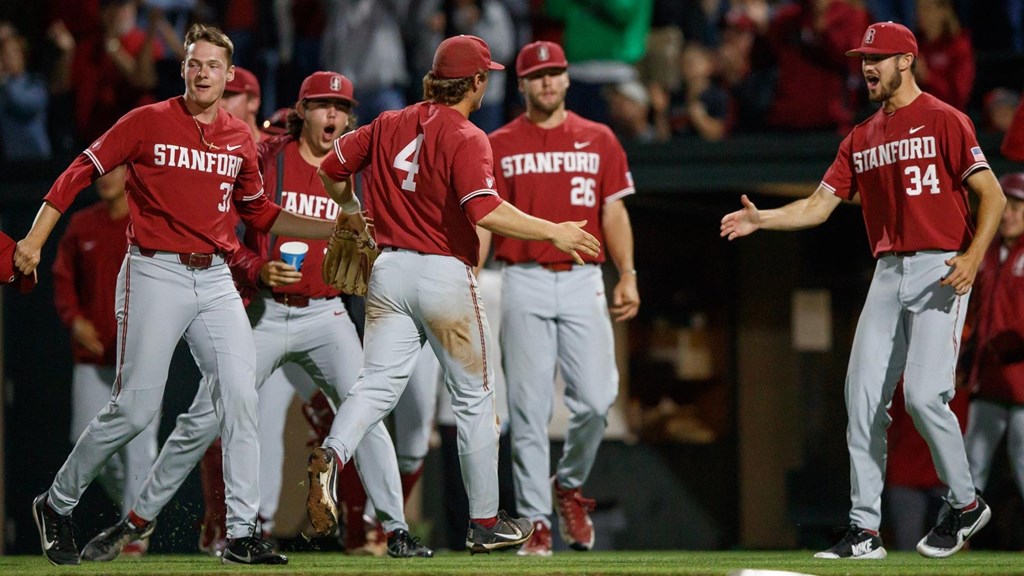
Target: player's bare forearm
{"points": [[990, 210], [26, 253], [991, 203], [569, 237], [292, 224], [804, 213], [618, 236], [484, 235], [342, 192]]}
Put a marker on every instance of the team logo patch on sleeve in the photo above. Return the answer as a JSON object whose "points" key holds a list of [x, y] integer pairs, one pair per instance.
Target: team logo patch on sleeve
{"points": [[979, 156]]}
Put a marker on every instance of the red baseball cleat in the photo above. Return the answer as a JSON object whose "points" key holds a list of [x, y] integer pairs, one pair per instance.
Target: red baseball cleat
{"points": [[574, 522]]}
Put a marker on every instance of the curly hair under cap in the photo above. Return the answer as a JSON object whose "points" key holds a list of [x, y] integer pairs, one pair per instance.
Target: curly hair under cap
{"points": [[448, 91]]}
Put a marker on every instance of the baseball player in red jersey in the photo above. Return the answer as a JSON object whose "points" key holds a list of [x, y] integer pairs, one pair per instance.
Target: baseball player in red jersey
{"points": [[997, 368], [912, 163], [191, 173], [295, 317], [555, 164], [89, 257], [430, 181]]}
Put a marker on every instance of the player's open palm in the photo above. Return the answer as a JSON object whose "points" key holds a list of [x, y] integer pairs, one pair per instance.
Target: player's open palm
{"points": [[741, 222], [571, 238]]}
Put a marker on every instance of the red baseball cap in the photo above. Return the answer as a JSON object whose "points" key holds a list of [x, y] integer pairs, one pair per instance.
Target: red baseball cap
{"points": [[886, 38], [1013, 185], [9, 274], [539, 56], [462, 56], [327, 85], [244, 82]]}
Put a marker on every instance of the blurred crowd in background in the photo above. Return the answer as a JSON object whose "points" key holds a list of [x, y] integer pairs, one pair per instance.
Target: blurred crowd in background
{"points": [[654, 70]]}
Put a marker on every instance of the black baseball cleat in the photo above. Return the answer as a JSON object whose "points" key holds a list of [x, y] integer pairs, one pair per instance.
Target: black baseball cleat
{"points": [[321, 504], [251, 550], [109, 543], [953, 530], [857, 544], [507, 533], [56, 533], [401, 544]]}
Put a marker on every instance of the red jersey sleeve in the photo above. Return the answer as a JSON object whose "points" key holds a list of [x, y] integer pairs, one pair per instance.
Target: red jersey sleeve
{"points": [[617, 181], [253, 206], [351, 154], [473, 168], [839, 176], [964, 153], [116, 146]]}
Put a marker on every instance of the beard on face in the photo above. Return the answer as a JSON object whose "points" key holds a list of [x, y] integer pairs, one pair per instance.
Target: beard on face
{"points": [[547, 108], [887, 88]]}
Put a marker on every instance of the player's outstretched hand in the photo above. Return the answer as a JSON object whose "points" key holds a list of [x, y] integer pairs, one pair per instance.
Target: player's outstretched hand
{"points": [[571, 238], [276, 273], [741, 222], [961, 277]]}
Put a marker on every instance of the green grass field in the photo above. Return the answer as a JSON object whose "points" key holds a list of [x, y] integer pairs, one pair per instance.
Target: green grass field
{"points": [[691, 563]]}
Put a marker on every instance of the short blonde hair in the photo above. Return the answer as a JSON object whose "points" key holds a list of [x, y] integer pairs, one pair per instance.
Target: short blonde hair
{"points": [[210, 34]]}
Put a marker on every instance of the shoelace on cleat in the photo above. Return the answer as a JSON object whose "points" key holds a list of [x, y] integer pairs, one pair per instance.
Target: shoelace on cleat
{"points": [[951, 521], [64, 532]]}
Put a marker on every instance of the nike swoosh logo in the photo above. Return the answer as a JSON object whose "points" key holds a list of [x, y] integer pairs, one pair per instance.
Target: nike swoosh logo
{"points": [[912, 130], [508, 536], [338, 313], [580, 145], [237, 146], [47, 544]]}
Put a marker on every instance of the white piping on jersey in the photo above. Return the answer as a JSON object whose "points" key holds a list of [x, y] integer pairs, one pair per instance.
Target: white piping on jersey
{"points": [[826, 186], [95, 161], [974, 168], [620, 194], [480, 192], [253, 197], [337, 148]]}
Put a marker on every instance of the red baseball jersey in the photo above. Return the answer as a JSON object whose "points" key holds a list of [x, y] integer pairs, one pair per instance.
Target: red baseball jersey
{"points": [[566, 173], [426, 162], [180, 191], [997, 372], [303, 193], [89, 257], [909, 168]]}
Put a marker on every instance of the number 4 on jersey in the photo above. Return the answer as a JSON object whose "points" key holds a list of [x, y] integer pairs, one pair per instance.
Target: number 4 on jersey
{"points": [[408, 160]]}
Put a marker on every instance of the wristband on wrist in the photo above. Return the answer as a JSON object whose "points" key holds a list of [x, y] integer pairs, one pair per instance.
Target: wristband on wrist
{"points": [[351, 207]]}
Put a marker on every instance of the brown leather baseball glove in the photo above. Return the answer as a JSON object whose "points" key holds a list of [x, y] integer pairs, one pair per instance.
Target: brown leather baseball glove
{"points": [[351, 252]]}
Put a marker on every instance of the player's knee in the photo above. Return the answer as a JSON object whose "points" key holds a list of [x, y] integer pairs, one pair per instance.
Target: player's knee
{"points": [[138, 420], [409, 464]]}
